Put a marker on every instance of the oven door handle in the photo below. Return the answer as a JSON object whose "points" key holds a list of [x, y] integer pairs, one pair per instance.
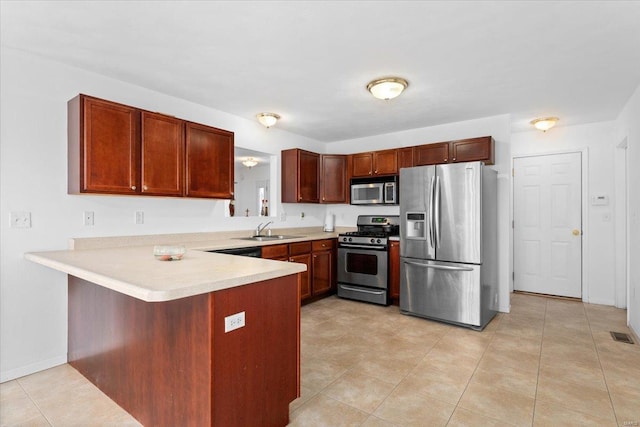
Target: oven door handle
{"points": [[364, 291], [439, 267], [343, 245]]}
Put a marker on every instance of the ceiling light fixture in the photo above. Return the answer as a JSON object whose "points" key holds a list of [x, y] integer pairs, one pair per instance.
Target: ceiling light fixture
{"points": [[250, 162], [387, 88], [268, 119], [544, 124]]}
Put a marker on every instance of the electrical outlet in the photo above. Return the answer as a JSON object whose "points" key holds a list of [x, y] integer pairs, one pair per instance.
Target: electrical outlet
{"points": [[233, 322], [139, 217], [88, 218], [20, 219]]}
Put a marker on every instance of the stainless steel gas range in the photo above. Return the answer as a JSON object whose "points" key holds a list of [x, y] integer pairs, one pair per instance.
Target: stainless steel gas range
{"points": [[363, 261]]}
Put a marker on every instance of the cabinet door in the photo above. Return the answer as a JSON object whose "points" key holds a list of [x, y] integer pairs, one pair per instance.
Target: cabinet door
{"points": [[394, 271], [385, 162], [405, 157], [309, 175], [333, 179], [109, 155], [305, 277], [321, 269], [209, 170], [162, 155], [473, 149], [431, 154], [362, 164]]}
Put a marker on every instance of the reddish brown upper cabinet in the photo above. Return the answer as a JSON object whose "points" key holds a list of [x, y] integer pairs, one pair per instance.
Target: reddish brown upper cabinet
{"points": [[209, 162], [162, 155], [384, 162], [300, 176], [405, 157], [473, 149], [117, 149], [333, 178], [431, 154], [104, 147]]}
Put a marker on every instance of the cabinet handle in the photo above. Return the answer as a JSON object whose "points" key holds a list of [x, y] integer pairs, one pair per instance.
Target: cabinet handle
{"points": [[454, 159], [370, 173], [445, 159], [145, 188], [375, 171], [290, 259], [133, 187]]}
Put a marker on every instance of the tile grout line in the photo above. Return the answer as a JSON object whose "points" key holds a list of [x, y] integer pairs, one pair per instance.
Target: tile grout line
{"points": [[34, 402], [544, 326], [604, 377]]}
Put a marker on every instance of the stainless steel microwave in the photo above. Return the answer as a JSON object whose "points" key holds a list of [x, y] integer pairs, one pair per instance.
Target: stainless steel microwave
{"points": [[374, 191]]}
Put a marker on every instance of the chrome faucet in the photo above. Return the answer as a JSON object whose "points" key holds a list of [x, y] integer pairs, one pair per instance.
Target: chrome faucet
{"points": [[261, 227]]}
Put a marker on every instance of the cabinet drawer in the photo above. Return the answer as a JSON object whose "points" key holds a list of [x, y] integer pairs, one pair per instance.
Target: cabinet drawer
{"points": [[275, 251], [322, 245], [299, 248]]}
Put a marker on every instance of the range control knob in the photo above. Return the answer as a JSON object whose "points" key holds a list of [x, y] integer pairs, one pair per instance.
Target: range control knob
{"points": [[378, 241], [373, 240], [350, 239]]}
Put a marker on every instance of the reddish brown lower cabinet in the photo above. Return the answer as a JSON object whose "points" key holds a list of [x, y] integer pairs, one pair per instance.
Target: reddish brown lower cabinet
{"points": [[394, 272], [301, 252], [277, 252], [323, 267], [172, 364]]}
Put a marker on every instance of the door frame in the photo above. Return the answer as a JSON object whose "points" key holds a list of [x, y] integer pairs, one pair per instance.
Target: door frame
{"points": [[583, 210], [621, 226]]}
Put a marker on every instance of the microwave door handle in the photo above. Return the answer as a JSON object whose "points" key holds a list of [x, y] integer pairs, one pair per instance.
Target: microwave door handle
{"points": [[437, 210]]}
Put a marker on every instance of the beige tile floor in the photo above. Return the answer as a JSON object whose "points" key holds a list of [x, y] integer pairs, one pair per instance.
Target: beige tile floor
{"points": [[549, 362]]}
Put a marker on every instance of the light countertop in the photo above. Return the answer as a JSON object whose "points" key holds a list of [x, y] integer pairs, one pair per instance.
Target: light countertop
{"points": [[127, 265]]}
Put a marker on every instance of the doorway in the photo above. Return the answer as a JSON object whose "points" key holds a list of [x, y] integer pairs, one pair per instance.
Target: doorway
{"points": [[547, 228]]}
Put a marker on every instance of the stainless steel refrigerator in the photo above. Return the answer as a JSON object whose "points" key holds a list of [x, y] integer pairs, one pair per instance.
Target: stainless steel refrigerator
{"points": [[448, 243]]}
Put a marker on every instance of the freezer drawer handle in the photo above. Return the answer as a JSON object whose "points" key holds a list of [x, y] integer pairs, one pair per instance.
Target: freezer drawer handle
{"points": [[349, 288], [439, 267]]}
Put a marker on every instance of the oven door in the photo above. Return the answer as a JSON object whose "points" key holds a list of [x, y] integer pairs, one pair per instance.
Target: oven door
{"points": [[363, 265]]}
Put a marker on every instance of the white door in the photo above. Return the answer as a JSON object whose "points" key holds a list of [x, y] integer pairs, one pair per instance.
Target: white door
{"points": [[548, 224]]}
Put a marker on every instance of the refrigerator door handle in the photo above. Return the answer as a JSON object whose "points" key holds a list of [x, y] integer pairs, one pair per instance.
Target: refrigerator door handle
{"points": [[436, 208], [439, 267], [430, 218]]}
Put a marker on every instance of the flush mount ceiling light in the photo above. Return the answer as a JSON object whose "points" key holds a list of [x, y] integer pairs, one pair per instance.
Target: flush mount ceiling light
{"points": [[387, 88], [544, 124], [268, 119], [250, 162]]}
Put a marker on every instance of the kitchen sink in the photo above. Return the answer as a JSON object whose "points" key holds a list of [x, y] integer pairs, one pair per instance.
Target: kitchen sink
{"points": [[266, 238]]}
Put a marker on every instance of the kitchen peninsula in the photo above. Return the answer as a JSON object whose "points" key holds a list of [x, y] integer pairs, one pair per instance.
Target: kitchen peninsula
{"points": [[158, 337]]}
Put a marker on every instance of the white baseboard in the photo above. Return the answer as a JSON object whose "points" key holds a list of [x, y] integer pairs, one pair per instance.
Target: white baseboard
{"points": [[33, 368]]}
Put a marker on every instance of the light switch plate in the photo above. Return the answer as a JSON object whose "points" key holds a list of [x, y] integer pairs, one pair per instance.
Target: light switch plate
{"points": [[233, 322]]}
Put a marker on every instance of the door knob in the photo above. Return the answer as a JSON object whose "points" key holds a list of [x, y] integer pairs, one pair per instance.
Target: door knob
{"points": [[576, 232]]}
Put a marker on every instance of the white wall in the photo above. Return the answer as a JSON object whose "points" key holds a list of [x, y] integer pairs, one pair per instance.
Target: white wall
{"points": [[499, 127], [627, 126], [596, 141], [33, 159]]}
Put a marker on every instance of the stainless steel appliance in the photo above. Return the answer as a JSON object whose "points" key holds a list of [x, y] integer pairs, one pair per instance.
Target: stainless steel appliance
{"points": [[374, 191], [363, 261], [448, 243]]}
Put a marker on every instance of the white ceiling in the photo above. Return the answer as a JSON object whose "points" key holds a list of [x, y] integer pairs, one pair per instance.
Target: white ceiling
{"points": [[310, 61]]}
